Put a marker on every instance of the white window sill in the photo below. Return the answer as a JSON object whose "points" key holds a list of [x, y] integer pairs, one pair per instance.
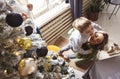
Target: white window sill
{"points": [[48, 16]]}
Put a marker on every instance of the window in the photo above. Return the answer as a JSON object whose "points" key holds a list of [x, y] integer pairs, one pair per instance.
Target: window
{"points": [[39, 6], [43, 10]]}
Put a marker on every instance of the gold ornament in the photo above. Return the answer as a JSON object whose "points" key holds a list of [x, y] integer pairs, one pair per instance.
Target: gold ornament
{"points": [[18, 40], [48, 57], [54, 48], [47, 66], [58, 69], [27, 66], [25, 43], [5, 72], [8, 43], [17, 53]]}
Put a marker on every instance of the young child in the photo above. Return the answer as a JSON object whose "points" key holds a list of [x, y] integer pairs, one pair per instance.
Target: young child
{"points": [[83, 29]]}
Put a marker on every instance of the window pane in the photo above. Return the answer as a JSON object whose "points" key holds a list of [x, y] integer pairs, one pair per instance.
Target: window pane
{"points": [[39, 6]]}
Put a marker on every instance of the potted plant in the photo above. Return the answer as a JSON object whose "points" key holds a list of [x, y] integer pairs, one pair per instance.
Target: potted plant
{"points": [[94, 8]]}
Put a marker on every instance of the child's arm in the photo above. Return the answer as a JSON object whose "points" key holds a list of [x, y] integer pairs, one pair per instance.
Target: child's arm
{"points": [[65, 48], [75, 40]]}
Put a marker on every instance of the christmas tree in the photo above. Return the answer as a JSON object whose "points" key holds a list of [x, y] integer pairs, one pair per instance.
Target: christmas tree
{"points": [[8, 46], [23, 53]]}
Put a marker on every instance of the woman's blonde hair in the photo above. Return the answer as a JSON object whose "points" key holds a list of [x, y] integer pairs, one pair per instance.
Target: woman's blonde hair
{"points": [[81, 23]]}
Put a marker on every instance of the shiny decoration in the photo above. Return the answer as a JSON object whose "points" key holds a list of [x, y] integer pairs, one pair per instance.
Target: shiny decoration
{"points": [[14, 19], [25, 43], [5, 72], [42, 52], [17, 53], [27, 66], [8, 43], [47, 66], [48, 57], [58, 69], [53, 66], [53, 52], [53, 48]]}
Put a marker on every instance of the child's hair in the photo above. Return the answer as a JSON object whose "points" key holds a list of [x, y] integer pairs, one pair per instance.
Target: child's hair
{"points": [[14, 19], [81, 23], [28, 30]]}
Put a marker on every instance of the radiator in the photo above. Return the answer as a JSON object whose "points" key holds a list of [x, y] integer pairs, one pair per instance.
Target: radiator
{"points": [[56, 27]]}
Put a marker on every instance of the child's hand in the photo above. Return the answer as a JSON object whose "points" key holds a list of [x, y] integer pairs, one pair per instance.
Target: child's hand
{"points": [[30, 7]]}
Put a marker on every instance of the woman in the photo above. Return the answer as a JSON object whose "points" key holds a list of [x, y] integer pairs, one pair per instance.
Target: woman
{"points": [[90, 48], [96, 42]]}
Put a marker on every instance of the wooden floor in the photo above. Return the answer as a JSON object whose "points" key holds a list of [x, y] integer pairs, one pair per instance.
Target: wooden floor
{"points": [[61, 41]]}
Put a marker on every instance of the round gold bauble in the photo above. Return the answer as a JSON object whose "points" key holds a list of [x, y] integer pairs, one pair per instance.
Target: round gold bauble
{"points": [[27, 66], [25, 43]]}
